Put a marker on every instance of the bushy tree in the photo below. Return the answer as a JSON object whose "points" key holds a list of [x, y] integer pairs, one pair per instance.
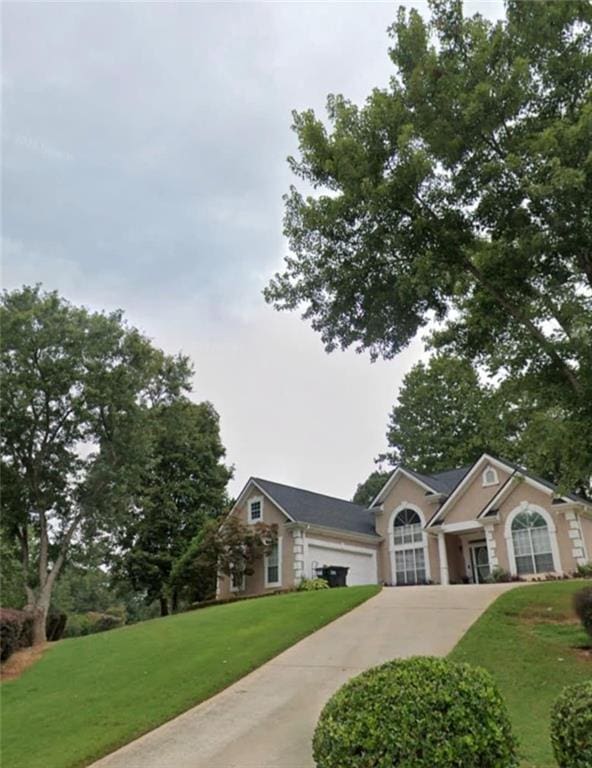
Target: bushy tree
{"points": [[77, 388], [445, 417], [183, 486], [367, 491], [459, 196], [228, 548]]}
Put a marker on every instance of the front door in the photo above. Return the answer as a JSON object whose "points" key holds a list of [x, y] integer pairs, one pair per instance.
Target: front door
{"points": [[479, 563]]}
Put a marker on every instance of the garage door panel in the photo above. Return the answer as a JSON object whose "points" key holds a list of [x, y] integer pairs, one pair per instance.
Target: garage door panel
{"points": [[362, 565]]}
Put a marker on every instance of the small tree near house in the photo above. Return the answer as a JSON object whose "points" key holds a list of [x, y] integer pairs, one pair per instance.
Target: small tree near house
{"points": [[230, 549]]}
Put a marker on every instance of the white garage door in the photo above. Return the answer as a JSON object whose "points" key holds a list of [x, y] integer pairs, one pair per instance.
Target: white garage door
{"points": [[361, 564]]}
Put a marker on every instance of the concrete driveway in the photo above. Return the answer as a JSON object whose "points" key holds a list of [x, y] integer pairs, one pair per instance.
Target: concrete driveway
{"points": [[266, 720]]}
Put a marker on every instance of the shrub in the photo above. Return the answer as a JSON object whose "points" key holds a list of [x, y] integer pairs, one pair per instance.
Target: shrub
{"points": [[55, 625], [80, 624], [16, 631], [583, 607], [571, 726], [498, 576], [584, 571], [311, 585], [418, 713]]}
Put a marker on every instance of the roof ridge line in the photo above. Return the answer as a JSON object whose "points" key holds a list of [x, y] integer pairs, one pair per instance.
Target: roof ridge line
{"points": [[316, 493]]}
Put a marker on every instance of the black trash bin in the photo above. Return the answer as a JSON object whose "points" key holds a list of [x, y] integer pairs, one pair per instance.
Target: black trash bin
{"points": [[335, 575]]}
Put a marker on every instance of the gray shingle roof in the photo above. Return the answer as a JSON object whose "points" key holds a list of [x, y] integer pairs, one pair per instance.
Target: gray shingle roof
{"points": [[318, 509], [442, 482]]}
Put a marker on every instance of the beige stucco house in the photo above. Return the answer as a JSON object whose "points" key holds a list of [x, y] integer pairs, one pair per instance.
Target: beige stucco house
{"points": [[449, 527]]}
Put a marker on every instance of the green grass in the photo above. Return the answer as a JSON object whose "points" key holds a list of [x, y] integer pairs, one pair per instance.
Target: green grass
{"points": [[89, 695], [531, 642]]}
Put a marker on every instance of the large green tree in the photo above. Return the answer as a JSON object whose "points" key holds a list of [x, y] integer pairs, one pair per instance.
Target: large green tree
{"points": [[459, 196], [182, 487], [77, 388], [445, 417], [367, 491]]}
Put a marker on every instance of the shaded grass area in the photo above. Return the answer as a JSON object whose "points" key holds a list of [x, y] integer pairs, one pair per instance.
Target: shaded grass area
{"points": [[532, 643], [89, 695]]}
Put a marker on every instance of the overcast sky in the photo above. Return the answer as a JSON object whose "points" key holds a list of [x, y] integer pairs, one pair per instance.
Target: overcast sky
{"points": [[144, 151]]}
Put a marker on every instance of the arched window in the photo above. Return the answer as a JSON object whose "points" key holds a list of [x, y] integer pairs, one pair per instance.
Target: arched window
{"points": [[490, 476], [532, 543], [409, 548]]}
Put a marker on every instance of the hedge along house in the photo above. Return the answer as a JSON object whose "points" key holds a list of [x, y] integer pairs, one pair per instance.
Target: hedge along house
{"points": [[449, 527]]}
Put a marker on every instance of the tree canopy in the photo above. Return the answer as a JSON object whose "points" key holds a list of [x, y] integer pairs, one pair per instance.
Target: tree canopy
{"points": [[459, 198], [182, 487], [76, 390]]}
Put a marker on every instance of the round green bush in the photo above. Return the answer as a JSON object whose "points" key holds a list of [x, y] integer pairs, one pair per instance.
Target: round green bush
{"points": [[416, 713], [571, 726]]}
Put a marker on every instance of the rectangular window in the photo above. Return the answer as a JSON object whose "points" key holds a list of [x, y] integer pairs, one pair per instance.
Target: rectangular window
{"points": [[255, 510], [237, 581], [272, 566]]}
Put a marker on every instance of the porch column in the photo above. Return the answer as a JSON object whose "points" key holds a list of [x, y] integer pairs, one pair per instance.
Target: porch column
{"points": [[443, 556]]}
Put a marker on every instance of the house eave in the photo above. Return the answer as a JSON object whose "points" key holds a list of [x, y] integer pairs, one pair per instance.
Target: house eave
{"points": [[326, 530]]}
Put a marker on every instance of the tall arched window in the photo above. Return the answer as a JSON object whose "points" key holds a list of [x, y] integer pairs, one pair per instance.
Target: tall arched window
{"points": [[532, 543], [409, 548]]}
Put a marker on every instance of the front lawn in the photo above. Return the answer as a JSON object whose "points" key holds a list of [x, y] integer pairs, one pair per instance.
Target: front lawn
{"points": [[89, 695], [531, 642]]}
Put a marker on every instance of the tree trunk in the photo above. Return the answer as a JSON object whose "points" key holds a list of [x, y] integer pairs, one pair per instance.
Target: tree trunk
{"points": [[164, 606], [39, 613], [174, 601]]}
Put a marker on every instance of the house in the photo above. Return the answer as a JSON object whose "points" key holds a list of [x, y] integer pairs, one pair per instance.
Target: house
{"points": [[448, 527]]}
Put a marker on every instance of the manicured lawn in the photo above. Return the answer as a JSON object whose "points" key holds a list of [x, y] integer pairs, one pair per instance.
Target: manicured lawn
{"points": [[530, 640], [89, 695]]}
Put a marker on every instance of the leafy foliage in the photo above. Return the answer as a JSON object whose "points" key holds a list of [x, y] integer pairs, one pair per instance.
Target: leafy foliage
{"points": [[583, 608], [312, 585], [80, 624], [16, 629], [228, 548], [571, 726], [418, 713], [459, 196], [72, 378], [182, 486], [445, 418], [367, 491]]}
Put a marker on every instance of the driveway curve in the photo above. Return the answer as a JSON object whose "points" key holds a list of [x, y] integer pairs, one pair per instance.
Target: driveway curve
{"points": [[266, 719]]}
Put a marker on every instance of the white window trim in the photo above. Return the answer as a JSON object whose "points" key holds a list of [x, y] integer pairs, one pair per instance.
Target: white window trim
{"points": [[265, 561], [414, 545], [488, 483], [251, 501], [526, 506]]}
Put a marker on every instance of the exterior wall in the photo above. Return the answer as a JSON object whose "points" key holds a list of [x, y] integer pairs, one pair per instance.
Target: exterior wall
{"points": [[255, 583], [405, 492], [565, 533], [346, 543], [586, 528], [474, 498], [457, 570]]}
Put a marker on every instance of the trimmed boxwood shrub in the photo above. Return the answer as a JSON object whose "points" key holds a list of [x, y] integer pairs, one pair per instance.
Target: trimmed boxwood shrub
{"points": [[583, 607], [571, 726], [416, 713]]}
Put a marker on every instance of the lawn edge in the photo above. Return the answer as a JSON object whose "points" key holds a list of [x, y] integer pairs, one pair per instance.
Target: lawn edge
{"points": [[118, 745]]}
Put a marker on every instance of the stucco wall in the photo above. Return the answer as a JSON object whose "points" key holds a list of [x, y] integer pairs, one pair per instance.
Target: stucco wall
{"points": [[586, 527], [474, 498], [255, 583], [523, 492], [405, 492]]}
